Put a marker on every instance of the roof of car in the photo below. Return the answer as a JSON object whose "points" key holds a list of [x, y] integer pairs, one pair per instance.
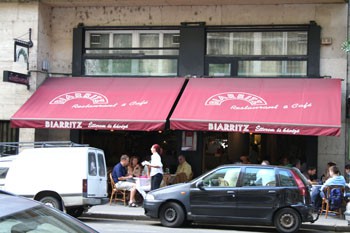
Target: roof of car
{"points": [[11, 203], [253, 165]]}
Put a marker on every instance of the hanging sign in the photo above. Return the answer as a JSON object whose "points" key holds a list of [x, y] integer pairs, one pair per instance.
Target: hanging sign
{"points": [[13, 77]]}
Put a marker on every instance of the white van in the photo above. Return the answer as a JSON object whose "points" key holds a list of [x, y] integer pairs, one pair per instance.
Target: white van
{"points": [[70, 177]]}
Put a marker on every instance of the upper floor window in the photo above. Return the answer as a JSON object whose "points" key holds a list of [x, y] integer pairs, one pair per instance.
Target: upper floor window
{"points": [[131, 52], [262, 54], [257, 43]]}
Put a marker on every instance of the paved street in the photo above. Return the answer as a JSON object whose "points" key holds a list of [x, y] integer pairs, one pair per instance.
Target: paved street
{"points": [[139, 226], [126, 218]]}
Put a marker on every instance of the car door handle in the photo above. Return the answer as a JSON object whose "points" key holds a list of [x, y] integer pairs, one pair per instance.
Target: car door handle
{"points": [[230, 192], [272, 191]]}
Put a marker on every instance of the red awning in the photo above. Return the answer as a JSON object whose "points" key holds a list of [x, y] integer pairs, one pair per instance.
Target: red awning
{"points": [[100, 103], [251, 105]]}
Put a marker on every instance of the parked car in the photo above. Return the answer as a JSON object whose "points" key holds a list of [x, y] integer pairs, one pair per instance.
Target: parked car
{"points": [[66, 176], [19, 214], [236, 194]]}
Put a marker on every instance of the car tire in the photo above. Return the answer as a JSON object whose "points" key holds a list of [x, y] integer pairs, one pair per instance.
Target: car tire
{"points": [[51, 201], [172, 215], [75, 212], [287, 220]]}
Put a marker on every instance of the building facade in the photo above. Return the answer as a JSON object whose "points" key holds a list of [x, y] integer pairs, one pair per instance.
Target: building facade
{"points": [[245, 39]]}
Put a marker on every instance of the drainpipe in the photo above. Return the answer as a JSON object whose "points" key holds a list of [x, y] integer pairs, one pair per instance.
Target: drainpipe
{"points": [[347, 99], [347, 211]]}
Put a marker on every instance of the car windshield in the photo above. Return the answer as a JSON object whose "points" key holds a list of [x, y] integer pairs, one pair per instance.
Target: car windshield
{"points": [[41, 219]]}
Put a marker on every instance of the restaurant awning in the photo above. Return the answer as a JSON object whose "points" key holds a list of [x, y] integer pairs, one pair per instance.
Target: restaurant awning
{"points": [[251, 105], [100, 103]]}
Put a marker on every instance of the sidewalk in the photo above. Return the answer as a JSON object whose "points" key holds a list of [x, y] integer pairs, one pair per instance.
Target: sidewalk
{"points": [[119, 211]]}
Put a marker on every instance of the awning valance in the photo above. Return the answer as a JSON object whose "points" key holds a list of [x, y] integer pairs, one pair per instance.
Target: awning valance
{"points": [[252, 105], [100, 103]]}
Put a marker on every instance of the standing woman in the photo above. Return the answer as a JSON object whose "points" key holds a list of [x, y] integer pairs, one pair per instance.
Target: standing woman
{"points": [[156, 167]]}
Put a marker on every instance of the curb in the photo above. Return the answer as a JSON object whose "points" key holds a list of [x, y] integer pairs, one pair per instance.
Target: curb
{"points": [[325, 227], [313, 226], [113, 216]]}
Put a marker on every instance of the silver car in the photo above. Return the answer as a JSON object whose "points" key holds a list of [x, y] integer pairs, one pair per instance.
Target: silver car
{"points": [[19, 214]]}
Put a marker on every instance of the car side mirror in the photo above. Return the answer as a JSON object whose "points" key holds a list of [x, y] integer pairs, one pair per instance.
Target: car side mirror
{"points": [[200, 185]]}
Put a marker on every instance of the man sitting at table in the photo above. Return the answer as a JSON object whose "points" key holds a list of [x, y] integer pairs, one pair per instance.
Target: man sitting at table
{"points": [[335, 179], [183, 171], [120, 177]]}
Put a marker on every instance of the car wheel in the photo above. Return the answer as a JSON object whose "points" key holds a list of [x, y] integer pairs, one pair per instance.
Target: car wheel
{"points": [[172, 215], [287, 220], [51, 201], [75, 212]]}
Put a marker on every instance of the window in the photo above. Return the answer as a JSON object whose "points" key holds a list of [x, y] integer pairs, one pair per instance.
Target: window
{"points": [[226, 177], [101, 165], [3, 172], [8, 134], [286, 178], [259, 177], [92, 164], [131, 53], [258, 54]]}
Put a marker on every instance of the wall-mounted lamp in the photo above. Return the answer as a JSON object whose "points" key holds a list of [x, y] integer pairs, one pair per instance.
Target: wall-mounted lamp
{"points": [[326, 41]]}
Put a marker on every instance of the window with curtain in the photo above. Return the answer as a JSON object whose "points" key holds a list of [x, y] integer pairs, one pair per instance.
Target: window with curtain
{"points": [[266, 53], [132, 53], [8, 134]]}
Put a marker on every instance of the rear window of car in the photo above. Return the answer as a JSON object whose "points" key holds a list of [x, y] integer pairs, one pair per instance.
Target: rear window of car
{"points": [[286, 178], [41, 219], [3, 172], [101, 165]]}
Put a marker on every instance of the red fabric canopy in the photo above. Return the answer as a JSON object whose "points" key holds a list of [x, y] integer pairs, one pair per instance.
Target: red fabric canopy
{"points": [[251, 105], [100, 103]]}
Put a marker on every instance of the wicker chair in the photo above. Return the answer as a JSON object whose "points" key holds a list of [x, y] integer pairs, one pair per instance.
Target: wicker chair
{"points": [[117, 194], [325, 208]]}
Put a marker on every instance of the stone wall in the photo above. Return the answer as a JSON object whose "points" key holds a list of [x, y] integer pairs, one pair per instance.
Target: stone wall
{"points": [[53, 40]]}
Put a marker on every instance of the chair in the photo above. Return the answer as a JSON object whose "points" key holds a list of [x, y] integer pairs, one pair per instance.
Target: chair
{"points": [[180, 178], [327, 201], [117, 194]]}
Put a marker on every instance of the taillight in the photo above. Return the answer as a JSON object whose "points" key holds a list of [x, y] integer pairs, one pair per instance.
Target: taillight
{"points": [[85, 188], [301, 186]]}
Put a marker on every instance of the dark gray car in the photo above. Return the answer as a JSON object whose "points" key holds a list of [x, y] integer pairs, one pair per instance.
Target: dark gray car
{"points": [[19, 214], [236, 194]]}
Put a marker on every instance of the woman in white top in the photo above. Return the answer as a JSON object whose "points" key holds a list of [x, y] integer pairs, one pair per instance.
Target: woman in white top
{"points": [[156, 167]]}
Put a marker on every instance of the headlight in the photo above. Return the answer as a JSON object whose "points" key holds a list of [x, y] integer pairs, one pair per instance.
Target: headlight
{"points": [[149, 197]]}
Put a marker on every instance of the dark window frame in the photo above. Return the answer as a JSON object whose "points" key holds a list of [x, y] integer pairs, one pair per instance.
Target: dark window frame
{"points": [[313, 49], [199, 67], [81, 52]]}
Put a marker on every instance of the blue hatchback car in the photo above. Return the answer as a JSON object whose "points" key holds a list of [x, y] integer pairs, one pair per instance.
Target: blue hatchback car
{"points": [[236, 194]]}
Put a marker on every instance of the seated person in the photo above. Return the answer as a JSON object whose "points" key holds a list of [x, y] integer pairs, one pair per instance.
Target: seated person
{"points": [[265, 177], [183, 172], [335, 179], [310, 175], [347, 173], [134, 167], [326, 175], [120, 178]]}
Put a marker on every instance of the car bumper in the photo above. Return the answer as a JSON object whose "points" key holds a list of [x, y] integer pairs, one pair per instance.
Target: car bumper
{"points": [[152, 208], [308, 213], [95, 201]]}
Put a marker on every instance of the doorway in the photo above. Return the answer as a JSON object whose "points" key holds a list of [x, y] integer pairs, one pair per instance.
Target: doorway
{"points": [[221, 148]]}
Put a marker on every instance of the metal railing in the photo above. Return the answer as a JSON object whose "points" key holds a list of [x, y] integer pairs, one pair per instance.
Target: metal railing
{"points": [[13, 148]]}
